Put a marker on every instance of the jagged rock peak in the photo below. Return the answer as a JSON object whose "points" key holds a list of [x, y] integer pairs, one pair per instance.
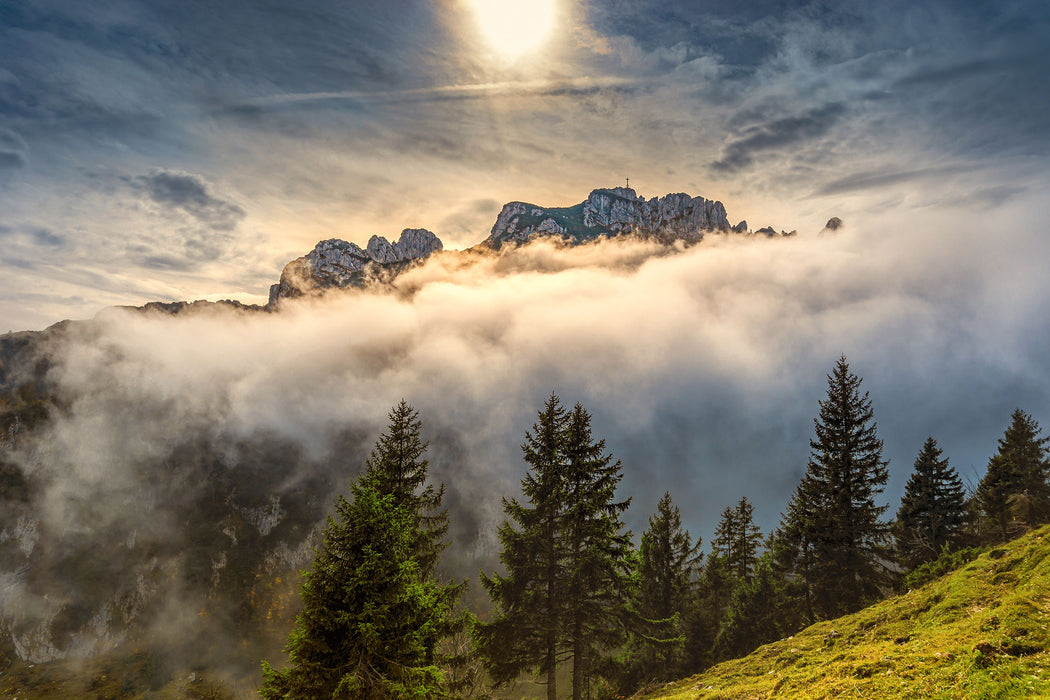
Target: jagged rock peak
{"points": [[612, 212], [338, 263]]}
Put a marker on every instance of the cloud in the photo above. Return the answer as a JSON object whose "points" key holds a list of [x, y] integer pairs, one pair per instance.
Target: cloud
{"points": [[872, 180], [740, 152], [10, 160], [13, 151], [703, 368], [189, 193]]}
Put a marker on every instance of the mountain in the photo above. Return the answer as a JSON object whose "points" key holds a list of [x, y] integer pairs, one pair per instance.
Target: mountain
{"points": [[979, 632], [618, 211], [613, 212], [336, 263]]}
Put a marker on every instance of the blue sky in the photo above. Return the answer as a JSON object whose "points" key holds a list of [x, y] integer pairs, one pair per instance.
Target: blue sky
{"points": [[178, 150]]}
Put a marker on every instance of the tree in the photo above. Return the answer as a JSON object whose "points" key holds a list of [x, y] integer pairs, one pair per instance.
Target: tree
{"points": [[933, 512], [525, 633], [598, 550], [1015, 487], [713, 591], [832, 533], [399, 469], [737, 539], [373, 613], [566, 556], [666, 576], [759, 612]]}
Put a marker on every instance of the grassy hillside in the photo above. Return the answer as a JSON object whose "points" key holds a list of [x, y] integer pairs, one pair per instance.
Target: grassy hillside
{"points": [[980, 632]]}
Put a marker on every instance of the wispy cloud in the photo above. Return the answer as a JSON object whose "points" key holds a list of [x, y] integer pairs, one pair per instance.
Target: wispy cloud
{"points": [[740, 151], [189, 193]]}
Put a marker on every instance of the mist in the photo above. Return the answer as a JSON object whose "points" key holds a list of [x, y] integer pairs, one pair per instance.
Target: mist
{"points": [[702, 368]]}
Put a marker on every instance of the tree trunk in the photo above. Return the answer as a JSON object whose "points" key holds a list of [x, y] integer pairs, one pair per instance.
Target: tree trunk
{"points": [[552, 669], [577, 660]]}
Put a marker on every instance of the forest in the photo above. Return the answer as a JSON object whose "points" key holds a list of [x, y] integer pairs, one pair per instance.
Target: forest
{"points": [[579, 602]]}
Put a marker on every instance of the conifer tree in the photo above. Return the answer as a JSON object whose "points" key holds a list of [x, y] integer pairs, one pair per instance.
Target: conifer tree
{"points": [[759, 612], [566, 556], [666, 576], [530, 596], [714, 590], [933, 509], [399, 468], [832, 533], [737, 539], [373, 614], [597, 550], [1015, 487]]}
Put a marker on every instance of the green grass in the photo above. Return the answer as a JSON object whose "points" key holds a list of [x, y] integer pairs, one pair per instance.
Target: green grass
{"points": [[979, 632]]}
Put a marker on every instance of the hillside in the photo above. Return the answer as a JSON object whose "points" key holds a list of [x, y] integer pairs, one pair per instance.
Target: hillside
{"points": [[980, 632]]}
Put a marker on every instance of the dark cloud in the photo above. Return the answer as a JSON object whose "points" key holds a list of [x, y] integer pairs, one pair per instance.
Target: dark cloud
{"points": [[11, 160], [740, 152], [873, 180], [49, 238], [12, 150], [189, 193]]}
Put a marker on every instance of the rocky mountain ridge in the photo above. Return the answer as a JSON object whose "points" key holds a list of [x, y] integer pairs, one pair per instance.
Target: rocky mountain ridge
{"points": [[337, 263], [611, 212]]}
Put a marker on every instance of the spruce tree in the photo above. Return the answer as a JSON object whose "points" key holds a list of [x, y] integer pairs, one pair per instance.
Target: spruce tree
{"points": [[1015, 488], [566, 555], [530, 597], [714, 590], [370, 617], [399, 468], [832, 532], [373, 613], [597, 550], [666, 579], [737, 539], [933, 509], [760, 611]]}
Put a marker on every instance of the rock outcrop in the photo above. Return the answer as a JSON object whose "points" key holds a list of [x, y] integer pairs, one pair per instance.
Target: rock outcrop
{"points": [[613, 212], [616, 211], [337, 263]]}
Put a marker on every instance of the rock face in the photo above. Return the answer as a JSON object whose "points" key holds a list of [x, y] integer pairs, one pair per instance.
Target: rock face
{"points": [[617, 211], [613, 212], [337, 263]]}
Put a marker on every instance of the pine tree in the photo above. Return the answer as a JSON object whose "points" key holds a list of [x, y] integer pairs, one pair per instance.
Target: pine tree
{"points": [[597, 552], [530, 597], [370, 617], [399, 468], [737, 539], [1015, 488], [567, 559], [759, 612], [832, 531], [666, 577], [373, 613], [933, 509], [714, 590]]}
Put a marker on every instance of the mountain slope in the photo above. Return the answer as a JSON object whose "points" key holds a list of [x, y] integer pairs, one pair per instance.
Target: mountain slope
{"points": [[980, 632]]}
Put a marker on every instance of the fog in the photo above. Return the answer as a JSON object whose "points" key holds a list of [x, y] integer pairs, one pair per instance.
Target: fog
{"points": [[702, 368]]}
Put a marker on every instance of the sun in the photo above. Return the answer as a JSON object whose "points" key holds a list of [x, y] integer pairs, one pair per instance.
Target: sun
{"points": [[514, 27]]}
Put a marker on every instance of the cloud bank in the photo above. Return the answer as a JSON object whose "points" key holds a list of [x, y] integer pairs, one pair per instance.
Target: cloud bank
{"points": [[201, 451], [703, 367]]}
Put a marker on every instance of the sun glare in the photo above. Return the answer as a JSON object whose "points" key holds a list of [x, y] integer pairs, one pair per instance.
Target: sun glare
{"points": [[515, 27]]}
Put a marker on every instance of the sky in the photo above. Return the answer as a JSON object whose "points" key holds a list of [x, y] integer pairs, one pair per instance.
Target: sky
{"points": [[183, 150], [155, 150]]}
